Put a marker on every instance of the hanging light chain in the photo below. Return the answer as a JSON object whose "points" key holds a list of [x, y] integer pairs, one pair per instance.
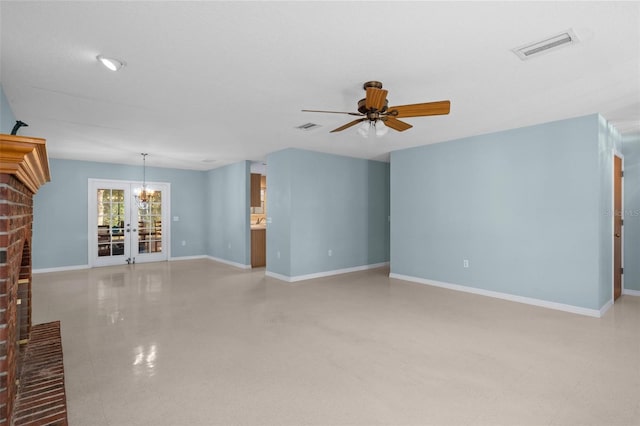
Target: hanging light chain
{"points": [[144, 169], [143, 197], [143, 193]]}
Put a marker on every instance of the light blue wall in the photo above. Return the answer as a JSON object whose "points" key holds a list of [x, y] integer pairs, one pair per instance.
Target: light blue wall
{"points": [[7, 119], [278, 210], [320, 202], [631, 152], [60, 217], [523, 206], [227, 213]]}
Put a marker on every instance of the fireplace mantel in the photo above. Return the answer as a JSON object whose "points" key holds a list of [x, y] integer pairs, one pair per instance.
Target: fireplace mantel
{"points": [[26, 158]]}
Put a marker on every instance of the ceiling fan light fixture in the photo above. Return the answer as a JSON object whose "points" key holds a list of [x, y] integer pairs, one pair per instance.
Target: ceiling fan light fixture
{"points": [[381, 128], [111, 64], [363, 129]]}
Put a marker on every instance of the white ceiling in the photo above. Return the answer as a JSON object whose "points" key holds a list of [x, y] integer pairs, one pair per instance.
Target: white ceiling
{"points": [[226, 81]]}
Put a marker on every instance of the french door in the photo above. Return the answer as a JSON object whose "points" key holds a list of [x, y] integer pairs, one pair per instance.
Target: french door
{"points": [[122, 228]]}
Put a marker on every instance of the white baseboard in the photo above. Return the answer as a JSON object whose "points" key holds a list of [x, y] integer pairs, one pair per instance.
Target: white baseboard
{"points": [[605, 308], [325, 273], [59, 269], [629, 292], [277, 276], [202, 256], [228, 262], [597, 313]]}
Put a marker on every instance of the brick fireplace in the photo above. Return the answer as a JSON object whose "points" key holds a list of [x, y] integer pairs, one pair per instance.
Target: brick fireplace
{"points": [[24, 168]]}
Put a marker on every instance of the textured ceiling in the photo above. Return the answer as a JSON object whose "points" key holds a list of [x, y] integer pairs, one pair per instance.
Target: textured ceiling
{"points": [[210, 83]]}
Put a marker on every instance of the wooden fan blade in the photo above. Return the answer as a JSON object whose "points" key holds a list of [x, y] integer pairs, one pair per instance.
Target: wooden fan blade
{"points": [[333, 112], [375, 98], [346, 126], [420, 110], [396, 124]]}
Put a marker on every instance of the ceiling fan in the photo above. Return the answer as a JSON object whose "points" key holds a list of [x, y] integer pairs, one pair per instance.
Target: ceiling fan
{"points": [[374, 109]]}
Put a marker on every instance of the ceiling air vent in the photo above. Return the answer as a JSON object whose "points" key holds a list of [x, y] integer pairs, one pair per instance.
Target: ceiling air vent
{"points": [[551, 43], [308, 126]]}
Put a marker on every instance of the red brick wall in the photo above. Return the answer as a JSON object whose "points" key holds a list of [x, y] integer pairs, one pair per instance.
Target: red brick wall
{"points": [[16, 217]]}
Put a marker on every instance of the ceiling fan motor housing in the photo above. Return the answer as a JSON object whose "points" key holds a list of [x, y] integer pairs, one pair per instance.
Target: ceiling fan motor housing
{"points": [[374, 84], [363, 109]]}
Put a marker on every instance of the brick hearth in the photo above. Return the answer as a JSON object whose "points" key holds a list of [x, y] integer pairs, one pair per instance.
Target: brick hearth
{"points": [[41, 398]]}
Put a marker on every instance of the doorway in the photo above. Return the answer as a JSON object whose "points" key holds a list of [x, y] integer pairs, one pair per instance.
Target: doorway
{"points": [[618, 222], [122, 228], [258, 214]]}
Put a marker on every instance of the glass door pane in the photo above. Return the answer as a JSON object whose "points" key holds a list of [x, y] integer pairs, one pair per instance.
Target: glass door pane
{"points": [[150, 225], [109, 217], [111, 220]]}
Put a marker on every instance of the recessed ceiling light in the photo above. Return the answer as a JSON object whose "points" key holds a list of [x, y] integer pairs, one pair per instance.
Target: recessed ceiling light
{"points": [[112, 64]]}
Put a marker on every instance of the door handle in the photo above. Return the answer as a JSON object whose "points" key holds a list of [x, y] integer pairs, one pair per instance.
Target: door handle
{"points": [[617, 235]]}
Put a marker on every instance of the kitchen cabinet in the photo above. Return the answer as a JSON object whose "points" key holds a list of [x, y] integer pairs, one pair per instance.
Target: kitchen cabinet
{"points": [[255, 190], [258, 247]]}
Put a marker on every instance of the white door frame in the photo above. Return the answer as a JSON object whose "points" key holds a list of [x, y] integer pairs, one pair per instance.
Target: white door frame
{"points": [[92, 248]]}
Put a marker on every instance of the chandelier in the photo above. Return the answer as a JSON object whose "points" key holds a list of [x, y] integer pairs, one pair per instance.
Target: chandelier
{"points": [[143, 195]]}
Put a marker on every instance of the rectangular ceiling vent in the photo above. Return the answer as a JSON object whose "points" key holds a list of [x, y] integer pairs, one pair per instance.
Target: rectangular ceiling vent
{"points": [[549, 44], [308, 126]]}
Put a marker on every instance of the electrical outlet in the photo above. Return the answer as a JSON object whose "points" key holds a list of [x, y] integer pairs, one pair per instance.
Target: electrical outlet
{"points": [[465, 263], [229, 245], [184, 243], [278, 254], [330, 252]]}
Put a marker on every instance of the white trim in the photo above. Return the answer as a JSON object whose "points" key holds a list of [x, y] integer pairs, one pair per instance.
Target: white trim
{"points": [[506, 296], [325, 273], [60, 269], [228, 262], [202, 256], [629, 292], [606, 307], [277, 276]]}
